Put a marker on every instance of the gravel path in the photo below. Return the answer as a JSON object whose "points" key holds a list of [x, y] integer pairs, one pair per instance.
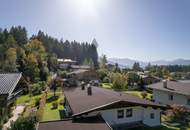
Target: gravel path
{"points": [[16, 113]]}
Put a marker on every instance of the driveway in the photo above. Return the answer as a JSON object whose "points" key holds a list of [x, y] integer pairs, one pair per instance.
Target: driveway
{"points": [[16, 113]]}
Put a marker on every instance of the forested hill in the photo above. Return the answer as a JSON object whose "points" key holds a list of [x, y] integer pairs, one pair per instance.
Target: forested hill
{"points": [[65, 49], [36, 56]]}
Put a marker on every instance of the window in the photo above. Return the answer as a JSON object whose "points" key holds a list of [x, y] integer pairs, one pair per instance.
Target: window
{"points": [[188, 101], [171, 97], [120, 113], [129, 112], [151, 115]]}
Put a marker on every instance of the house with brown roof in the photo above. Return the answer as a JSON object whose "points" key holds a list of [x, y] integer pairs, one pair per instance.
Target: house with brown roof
{"points": [[150, 79], [171, 92], [105, 110]]}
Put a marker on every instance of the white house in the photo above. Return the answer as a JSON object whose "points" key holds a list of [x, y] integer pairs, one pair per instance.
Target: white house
{"points": [[117, 110], [113, 110], [172, 92]]}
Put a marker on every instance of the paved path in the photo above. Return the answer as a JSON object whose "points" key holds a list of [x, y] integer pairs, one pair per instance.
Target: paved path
{"points": [[16, 113]]}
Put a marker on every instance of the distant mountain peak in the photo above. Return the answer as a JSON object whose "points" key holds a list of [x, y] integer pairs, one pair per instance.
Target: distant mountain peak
{"points": [[129, 62]]}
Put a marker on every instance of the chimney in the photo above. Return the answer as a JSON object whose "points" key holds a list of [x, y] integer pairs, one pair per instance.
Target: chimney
{"points": [[89, 90], [165, 84], [82, 86]]}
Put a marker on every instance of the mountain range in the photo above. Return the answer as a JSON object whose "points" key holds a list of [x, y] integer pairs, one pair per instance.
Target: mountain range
{"points": [[126, 62]]}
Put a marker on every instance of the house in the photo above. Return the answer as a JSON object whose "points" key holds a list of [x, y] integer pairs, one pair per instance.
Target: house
{"points": [[9, 90], [149, 79], [110, 110], [83, 74], [65, 63], [171, 92]]}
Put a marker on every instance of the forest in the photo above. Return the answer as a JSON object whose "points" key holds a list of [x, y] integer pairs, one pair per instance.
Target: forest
{"points": [[37, 55]]}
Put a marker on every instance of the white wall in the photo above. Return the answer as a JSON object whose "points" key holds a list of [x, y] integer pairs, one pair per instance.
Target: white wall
{"points": [[151, 122], [163, 97], [139, 114], [110, 116]]}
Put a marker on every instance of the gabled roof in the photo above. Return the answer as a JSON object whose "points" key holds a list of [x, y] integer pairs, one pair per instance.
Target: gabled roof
{"points": [[88, 123], [8, 82], [80, 102], [174, 87], [79, 71], [80, 67]]}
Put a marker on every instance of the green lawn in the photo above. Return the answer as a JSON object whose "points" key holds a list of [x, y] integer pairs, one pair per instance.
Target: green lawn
{"points": [[53, 114], [138, 93], [107, 85], [26, 99]]}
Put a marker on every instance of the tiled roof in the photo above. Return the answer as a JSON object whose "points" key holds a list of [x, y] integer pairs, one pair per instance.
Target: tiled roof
{"points": [[88, 123], [174, 87], [80, 102], [8, 82]]}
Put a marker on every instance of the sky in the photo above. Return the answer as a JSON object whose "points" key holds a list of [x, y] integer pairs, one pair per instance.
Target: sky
{"points": [[145, 30]]}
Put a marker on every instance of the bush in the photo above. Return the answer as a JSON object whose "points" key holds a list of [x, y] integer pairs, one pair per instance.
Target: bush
{"points": [[55, 105], [102, 73], [24, 123], [5, 119], [62, 74], [119, 81], [61, 101], [106, 80], [36, 89], [37, 102], [10, 114], [144, 94], [41, 107], [1, 126], [178, 113]]}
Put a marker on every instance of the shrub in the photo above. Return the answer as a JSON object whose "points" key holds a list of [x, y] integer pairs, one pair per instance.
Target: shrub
{"points": [[36, 89], [37, 102], [61, 101], [62, 74], [41, 107], [5, 119], [55, 105], [10, 114], [144, 94], [1, 124], [24, 123], [106, 80], [102, 73], [178, 113], [119, 81]]}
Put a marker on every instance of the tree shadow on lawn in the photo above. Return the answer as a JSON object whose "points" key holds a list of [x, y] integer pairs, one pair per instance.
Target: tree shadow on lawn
{"points": [[52, 98]]}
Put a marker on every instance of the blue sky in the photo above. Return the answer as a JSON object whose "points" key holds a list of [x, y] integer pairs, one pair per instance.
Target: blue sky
{"points": [[140, 29]]}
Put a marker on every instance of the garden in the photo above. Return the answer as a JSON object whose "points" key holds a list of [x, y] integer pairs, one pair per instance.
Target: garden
{"points": [[54, 108]]}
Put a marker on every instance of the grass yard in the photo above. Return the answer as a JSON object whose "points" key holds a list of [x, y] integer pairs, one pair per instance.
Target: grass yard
{"points": [[138, 93], [26, 99], [107, 85], [53, 114]]}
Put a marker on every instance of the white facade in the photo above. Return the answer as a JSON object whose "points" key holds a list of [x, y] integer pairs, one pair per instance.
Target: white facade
{"points": [[138, 114], [164, 97]]}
